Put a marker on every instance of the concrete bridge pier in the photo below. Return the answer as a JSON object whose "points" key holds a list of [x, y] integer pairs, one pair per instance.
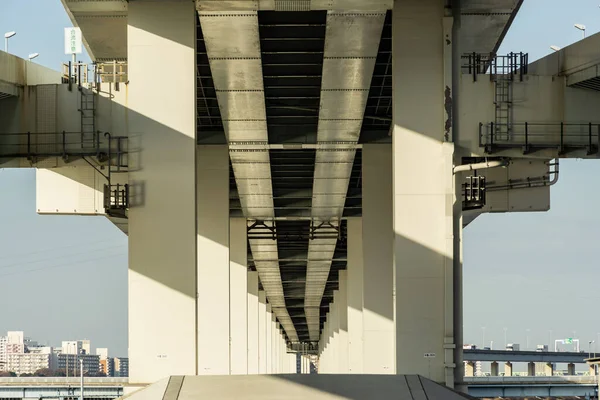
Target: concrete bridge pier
{"points": [[549, 369], [571, 369], [494, 368], [531, 369], [508, 369]]}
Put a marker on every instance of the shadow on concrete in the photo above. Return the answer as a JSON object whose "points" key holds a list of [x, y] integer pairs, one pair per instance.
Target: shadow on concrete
{"points": [[282, 387]]}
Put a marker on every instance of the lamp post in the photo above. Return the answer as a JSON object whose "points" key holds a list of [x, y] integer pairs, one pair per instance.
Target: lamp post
{"points": [[590, 348], [33, 55], [505, 343], [581, 27], [81, 372], [7, 36]]}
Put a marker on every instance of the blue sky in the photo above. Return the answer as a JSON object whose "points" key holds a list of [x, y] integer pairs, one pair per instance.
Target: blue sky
{"points": [[65, 277]]}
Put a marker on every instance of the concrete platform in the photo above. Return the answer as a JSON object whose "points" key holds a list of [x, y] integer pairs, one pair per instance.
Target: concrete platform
{"points": [[296, 387]]}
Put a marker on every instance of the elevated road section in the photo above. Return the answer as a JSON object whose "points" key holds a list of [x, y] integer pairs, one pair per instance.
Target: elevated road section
{"points": [[524, 356]]}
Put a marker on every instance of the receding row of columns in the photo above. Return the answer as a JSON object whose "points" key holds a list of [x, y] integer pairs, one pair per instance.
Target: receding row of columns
{"points": [[531, 369], [399, 308]]}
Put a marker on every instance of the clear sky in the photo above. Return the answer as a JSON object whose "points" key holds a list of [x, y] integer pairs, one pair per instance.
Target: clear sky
{"points": [[65, 277]]}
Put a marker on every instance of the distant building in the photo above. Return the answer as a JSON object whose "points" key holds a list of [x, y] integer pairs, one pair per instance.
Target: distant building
{"points": [[86, 346], [28, 363], [107, 365], [102, 352], [12, 343], [121, 367], [71, 347], [70, 363]]}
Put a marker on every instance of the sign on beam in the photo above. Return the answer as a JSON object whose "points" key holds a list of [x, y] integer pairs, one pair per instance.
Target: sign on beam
{"points": [[73, 41], [429, 355], [569, 341]]}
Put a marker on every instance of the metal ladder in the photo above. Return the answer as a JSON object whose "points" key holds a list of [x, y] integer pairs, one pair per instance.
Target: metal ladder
{"points": [[87, 110], [503, 95]]}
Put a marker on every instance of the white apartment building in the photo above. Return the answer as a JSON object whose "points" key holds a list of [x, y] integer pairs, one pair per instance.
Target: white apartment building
{"points": [[12, 343], [76, 347], [28, 363]]}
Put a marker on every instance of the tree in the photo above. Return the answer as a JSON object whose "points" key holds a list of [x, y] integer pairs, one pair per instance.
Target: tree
{"points": [[26, 375], [44, 372], [7, 374]]}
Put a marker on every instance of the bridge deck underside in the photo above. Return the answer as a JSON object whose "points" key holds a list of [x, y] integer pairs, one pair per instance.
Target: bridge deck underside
{"points": [[292, 46]]}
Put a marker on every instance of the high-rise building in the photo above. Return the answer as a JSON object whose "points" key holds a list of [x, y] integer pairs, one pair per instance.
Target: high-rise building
{"points": [[70, 362], [102, 352], [71, 347], [12, 343], [86, 346], [121, 367], [106, 364], [28, 363]]}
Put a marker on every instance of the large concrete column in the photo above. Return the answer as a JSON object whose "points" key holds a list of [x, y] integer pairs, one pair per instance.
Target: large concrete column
{"points": [[162, 216], [571, 369], [549, 369], [469, 368], [335, 333], [493, 368], [262, 332], [238, 314], [378, 245], [343, 324], [531, 369], [424, 194], [355, 296], [268, 344], [213, 262], [253, 321], [508, 369]]}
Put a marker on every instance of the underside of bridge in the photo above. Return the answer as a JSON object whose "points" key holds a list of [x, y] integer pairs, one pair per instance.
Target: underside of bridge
{"points": [[297, 71], [293, 91]]}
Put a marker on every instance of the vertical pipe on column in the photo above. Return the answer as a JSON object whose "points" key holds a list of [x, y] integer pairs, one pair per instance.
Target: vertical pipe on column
{"points": [[457, 222]]}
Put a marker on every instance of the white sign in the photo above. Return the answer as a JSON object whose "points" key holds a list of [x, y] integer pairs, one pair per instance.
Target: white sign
{"points": [[429, 355], [72, 41]]}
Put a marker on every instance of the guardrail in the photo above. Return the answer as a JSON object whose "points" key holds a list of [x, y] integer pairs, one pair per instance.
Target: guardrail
{"points": [[529, 137], [566, 379]]}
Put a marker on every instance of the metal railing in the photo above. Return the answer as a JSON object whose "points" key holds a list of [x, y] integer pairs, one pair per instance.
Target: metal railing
{"points": [[48, 144], [474, 193], [111, 72], [116, 199], [510, 66], [565, 137], [81, 74]]}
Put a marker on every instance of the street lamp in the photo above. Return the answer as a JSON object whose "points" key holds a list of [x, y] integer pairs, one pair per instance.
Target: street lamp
{"points": [[33, 55], [590, 348], [555, 48], [581, 27], [7, 36]]}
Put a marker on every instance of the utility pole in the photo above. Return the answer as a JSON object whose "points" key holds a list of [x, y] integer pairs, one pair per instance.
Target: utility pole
{"points": [[81, 372]]}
